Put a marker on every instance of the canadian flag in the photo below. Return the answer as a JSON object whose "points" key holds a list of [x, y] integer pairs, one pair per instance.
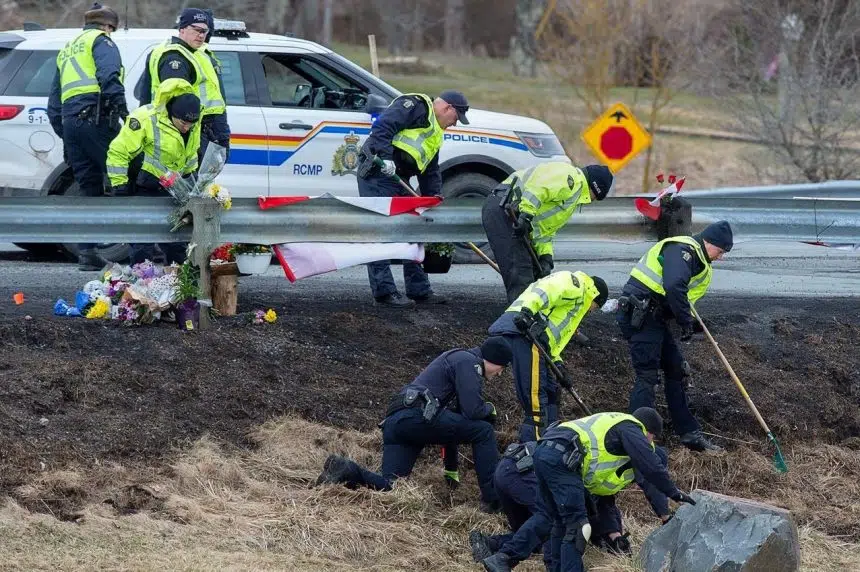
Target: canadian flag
{"points": [[303, 259], [651, 209], [387, 206]]}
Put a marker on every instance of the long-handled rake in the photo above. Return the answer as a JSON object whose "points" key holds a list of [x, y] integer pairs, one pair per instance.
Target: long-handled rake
{"points": [[778, 459]]}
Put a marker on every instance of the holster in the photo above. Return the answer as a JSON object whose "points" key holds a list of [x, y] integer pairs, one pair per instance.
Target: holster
{"points": [[365, 164], [638, 308], [413, 397], [521, 455]]}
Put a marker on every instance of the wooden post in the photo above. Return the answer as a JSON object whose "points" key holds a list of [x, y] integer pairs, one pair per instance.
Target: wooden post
{"points": [[225, 294], [374, 61], [205, 235]]}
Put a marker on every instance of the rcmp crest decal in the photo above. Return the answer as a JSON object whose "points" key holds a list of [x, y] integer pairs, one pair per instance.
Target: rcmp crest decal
{"points": [[345, 159]]}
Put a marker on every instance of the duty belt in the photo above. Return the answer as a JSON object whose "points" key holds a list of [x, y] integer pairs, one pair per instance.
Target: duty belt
{"points": [[571, 451]]}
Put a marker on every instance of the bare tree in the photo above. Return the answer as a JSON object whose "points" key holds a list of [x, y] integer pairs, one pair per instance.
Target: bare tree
{"points": [[810, 115], [596, 45], [455, 13]]}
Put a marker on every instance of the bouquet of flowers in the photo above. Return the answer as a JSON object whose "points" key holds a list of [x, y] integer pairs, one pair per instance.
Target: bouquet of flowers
{"points": [[222, 262], [184, 188]]}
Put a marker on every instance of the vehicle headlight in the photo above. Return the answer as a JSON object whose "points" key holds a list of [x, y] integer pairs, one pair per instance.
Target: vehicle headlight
{"points": [[541, 144]]}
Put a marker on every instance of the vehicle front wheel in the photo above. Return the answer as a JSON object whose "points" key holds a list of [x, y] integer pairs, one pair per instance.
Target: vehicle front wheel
{"points": [[475, 185]]}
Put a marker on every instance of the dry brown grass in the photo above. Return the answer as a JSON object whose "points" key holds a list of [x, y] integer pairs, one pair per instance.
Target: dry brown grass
{"points": [[229, 509]]}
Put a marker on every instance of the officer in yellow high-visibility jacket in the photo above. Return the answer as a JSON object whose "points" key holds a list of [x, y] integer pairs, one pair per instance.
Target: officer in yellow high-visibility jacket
{"points": [[562, 299], [166, 135], [664, 284], [538, 201], [87, 105], [407, 136], [598, 454], [188, 56]]}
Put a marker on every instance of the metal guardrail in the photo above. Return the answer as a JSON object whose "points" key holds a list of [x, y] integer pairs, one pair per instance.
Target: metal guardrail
{"points": [[830, 189], [138, 219]]}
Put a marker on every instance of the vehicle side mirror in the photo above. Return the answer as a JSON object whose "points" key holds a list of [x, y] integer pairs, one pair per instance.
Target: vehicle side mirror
{"points": [[375, 104]]}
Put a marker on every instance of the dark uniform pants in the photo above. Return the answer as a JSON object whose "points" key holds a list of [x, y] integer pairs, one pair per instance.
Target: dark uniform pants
{"points": [[561, 500], [511, 253], [379, 273], [85, 147], [165, 252], [653, 348], [405, 433], [518, 494], [536, 391]]}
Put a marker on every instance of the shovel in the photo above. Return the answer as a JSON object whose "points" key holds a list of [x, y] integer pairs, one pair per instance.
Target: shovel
{"points": [[778, 460], [377, 161]]}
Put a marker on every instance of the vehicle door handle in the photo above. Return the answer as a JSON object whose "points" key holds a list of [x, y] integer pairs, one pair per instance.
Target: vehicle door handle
{"points": [[296, 125]]}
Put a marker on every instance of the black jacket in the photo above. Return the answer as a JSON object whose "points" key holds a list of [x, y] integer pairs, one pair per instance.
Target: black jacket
{"points": [[456, 379], [405, 112]]}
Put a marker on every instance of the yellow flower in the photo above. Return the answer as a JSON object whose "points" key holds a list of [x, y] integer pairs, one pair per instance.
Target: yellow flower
{"points": [[227, 204], [214, 188], [270, 316], [99, 310]]}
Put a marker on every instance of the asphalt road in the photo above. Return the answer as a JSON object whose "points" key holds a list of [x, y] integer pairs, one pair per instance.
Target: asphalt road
{"points": [[760, 270]]}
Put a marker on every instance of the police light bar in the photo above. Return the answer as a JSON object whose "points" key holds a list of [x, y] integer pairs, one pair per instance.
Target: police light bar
{"points": [[230, 25]]}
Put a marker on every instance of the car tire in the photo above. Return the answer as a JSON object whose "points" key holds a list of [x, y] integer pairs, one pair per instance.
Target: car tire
{"points": [[475, 185], [109, 251]]}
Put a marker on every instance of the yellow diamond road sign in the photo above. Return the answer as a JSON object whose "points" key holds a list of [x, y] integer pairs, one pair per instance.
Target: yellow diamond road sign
{"points": [[616, 137]]}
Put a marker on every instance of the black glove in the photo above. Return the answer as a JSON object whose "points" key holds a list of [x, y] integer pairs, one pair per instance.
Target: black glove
{"points": [[524, 320], [493, 416], [523, 225], [561, 369], [686, 333], [120, 191], [620, 545], [546, 265], [122, 112], [667, 518], [684, 497]]}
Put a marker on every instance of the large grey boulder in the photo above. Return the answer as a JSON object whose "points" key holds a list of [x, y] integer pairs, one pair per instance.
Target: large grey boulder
{"points": [[723, 534]]}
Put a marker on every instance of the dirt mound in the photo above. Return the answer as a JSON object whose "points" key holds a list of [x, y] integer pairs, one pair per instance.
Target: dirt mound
{"points": [[76, 393]]}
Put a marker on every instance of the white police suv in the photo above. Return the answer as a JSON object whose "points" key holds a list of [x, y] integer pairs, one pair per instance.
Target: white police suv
{"points": [[298, 113]]}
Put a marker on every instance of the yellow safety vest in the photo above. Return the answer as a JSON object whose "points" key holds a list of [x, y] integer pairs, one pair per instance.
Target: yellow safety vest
{"points": [[550, 192], [149, 130], [421, 143], [599, 466], [78, 67], [649, 269], [210, 88], [168, 46], [564, 298]]}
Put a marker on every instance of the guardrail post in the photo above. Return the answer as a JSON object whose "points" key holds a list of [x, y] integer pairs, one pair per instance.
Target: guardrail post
{"points": [[206, 235], [676, 218]]}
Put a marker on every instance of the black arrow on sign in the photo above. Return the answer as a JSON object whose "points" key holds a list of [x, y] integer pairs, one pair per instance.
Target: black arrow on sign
{"points": [[618, 115]]}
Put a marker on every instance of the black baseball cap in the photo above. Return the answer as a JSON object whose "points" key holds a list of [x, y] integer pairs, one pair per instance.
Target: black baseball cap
{"points": [[458, 100]]}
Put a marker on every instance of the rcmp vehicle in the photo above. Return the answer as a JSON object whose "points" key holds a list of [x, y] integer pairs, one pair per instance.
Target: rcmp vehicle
{"points": [[298, 113]]}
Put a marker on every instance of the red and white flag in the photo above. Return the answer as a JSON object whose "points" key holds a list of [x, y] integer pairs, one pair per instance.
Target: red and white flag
{"points": [[387, 206], [303, 259], [651, 209]]}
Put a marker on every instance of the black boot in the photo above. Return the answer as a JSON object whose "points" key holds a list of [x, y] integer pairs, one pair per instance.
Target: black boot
{"points": [[394, 300], [696, 441], [430, 299], [339, 470], [90, 261], [480, 543], [491, 507], [498, 562]]}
